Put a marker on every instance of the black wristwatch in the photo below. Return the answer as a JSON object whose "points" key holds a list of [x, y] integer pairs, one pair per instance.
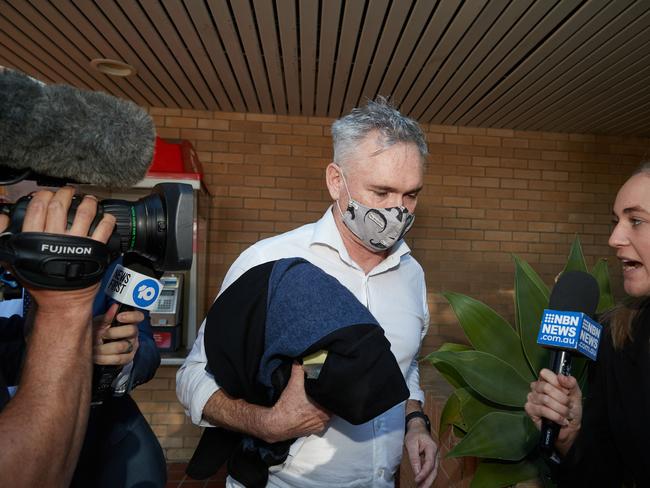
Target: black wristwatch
{"points": [[420, 415]]}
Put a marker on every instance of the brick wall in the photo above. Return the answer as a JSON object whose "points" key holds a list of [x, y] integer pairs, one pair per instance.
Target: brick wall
{"points": [[488, 193]]}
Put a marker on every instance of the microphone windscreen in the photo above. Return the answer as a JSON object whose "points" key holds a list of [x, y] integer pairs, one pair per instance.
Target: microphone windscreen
{"points": [[62, 132], [575, 291]]}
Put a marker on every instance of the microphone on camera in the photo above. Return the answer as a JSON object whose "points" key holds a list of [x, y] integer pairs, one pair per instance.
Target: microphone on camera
{"points": [[61, 132], [567, 328], [134, 284]]}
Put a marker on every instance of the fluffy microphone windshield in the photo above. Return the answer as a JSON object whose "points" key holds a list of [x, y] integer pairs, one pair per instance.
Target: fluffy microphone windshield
{"points": [[63, 132]]}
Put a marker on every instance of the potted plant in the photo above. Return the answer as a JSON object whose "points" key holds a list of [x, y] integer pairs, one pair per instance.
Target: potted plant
{"points": [[491, 377]]}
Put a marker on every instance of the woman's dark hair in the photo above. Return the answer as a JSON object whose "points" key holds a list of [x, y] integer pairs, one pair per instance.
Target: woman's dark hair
{"points": [[621, 318]]}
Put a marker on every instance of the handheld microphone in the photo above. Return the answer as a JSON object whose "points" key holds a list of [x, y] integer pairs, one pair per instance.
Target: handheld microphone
{"points": [[567, 328], [134, 285], [63, 133]]}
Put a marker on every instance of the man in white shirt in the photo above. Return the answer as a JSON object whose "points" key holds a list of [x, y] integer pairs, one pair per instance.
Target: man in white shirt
{"points": [[374, 181]]}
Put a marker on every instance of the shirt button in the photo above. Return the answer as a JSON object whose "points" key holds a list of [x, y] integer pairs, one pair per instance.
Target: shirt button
{"points": [[380, 473]]}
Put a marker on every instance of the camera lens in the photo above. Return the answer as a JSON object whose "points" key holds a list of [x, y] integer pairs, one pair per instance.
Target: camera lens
{"points": [[141, 225], [157, 227]]}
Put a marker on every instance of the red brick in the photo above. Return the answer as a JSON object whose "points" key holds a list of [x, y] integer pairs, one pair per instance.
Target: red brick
{"points": [[261, 117], [213, 124], [555, 175], [168, 133], [457, 180], [275, 149], [486, 141], [258, 138], [196, 134], [307, 130], [276, 128], [180, 122], [228, 136], [458, 139], [229, 115]]}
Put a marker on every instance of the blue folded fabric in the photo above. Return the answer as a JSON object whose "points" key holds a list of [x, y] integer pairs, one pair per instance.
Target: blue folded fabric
{"points": [[304, 304]]}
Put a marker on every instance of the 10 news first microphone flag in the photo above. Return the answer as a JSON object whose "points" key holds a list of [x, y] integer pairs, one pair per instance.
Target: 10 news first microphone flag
{"points": [[132, 288]]}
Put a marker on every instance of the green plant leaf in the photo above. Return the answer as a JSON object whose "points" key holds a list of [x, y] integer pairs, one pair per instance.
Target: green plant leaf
{"points": [[576, 261], [447, 371], [473, 407], [499, 435], [452, 346], [451, 414], [600, 271], [459, 433], [487, 331], [486, 374], [496, 474], [463, 409], [531, 298]]}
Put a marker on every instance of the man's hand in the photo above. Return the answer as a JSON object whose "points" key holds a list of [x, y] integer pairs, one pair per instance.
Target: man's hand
{"points": [[294, 414], [422, 453], [116, 345], [557, 398], [48, 212]]}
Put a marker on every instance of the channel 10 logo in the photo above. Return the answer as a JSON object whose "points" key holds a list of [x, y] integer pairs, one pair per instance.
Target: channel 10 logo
{"points": [[146, 292]]}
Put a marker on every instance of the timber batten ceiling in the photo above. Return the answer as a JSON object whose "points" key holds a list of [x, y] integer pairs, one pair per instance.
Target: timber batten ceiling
{"points": [[566, 65]]}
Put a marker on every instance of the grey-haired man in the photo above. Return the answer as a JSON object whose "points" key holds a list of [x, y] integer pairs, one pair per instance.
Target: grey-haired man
{"points": [[374, 182]]}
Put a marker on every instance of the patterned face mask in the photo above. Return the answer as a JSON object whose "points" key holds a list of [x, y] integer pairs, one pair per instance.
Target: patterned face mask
{"points": [[377, 228]]}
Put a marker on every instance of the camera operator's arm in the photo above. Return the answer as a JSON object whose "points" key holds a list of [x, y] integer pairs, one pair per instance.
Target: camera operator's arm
{"points": [[42, 428]]}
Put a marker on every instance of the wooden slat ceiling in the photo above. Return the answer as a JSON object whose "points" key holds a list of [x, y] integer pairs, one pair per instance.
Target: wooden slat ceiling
{"points": [[553, 65]]}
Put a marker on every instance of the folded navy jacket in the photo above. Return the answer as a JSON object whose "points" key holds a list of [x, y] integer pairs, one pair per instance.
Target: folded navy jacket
{"points": [[277, 313]]}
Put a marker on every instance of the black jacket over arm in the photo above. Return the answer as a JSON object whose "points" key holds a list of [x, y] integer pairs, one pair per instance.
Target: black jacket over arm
{"points": [[613, 447], [277, 313]]}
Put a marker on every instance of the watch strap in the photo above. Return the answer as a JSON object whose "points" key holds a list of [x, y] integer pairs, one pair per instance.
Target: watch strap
{"points": [[418, 414]]}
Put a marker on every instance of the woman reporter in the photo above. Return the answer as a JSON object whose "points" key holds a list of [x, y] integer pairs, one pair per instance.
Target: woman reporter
{"points": [[606, 442]]}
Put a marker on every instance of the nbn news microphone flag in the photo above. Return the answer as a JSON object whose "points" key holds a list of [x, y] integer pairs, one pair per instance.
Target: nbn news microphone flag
{"points": [[573, 331]]}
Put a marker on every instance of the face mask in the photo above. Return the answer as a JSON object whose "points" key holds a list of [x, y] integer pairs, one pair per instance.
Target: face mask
{"points": [[377, 228]]}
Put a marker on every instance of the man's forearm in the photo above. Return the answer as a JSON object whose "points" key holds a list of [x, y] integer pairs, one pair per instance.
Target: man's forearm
{"points": [[413, 406], [238, 415], [293, 415], [44, 425]]}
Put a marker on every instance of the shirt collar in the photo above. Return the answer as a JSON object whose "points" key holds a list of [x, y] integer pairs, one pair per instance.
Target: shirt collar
{"points": [[326, 233]]}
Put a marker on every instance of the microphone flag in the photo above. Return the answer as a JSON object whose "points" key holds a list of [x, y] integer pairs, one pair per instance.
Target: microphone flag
{"points": [[573, 331]]}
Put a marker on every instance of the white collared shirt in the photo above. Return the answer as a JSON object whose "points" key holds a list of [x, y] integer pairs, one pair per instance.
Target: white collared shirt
{"points": [[365, 455]]}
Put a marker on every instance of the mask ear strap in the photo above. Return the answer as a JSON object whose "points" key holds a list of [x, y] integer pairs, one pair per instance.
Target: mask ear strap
{"points": [[345, 183]]}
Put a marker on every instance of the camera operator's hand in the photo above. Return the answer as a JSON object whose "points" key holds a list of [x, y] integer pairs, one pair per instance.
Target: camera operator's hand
{"points": [[48, 212], [116, 345]]}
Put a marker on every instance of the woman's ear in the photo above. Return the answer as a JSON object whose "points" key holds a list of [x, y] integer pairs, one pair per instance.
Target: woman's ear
{"points": [[334, 180]]}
